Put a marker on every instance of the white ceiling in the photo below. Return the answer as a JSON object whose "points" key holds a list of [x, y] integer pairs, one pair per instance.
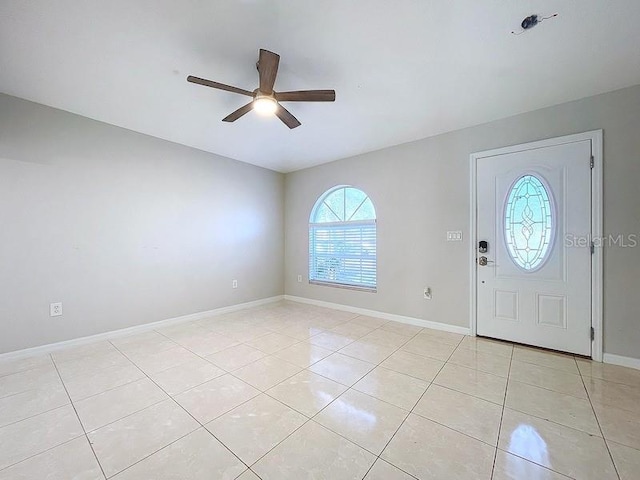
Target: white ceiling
{"points": [[402, 69]]}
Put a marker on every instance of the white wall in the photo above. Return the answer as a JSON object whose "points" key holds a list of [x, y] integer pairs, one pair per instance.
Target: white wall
{"points": [[421, 190], [124, 228]]}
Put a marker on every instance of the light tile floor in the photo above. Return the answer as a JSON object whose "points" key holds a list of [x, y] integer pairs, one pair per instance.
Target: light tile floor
{"points": [[292, 392]]}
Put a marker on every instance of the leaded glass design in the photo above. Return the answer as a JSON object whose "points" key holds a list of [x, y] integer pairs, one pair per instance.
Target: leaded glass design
{"points": [[342, 239], [529, 223]]}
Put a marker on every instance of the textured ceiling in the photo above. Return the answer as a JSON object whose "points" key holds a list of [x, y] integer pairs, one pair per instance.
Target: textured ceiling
{"points": [[403, 70]]}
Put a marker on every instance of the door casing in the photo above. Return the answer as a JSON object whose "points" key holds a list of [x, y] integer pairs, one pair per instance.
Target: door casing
{"points": [[596, 137]]}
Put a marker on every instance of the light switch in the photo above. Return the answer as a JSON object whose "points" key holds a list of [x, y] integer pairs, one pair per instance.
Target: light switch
{"points": [[454, 236]]}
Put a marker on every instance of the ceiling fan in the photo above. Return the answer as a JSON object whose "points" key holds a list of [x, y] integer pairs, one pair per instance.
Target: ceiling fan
{"points": [[265, 99]]}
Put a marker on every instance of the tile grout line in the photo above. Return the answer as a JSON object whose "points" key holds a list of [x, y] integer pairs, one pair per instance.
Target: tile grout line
{"points": [[606, 443], [379, 457], [273, 355], [78, 417], [309, 419], [201, 425], [504, 406]]}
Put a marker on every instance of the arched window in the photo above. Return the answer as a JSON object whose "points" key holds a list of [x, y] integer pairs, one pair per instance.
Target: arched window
{"points": [[342, 239]]}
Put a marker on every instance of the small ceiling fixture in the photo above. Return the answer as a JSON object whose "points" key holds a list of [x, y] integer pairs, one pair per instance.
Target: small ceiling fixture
{"points": [[531, 21], [266, 101], [265, 105]]}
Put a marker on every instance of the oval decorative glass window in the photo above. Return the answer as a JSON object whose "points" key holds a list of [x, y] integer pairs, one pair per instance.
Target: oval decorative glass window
{"points": [[529, 223]]}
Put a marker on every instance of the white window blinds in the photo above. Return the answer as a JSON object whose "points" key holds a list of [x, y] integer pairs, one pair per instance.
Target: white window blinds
{"points": [[342, 240]]}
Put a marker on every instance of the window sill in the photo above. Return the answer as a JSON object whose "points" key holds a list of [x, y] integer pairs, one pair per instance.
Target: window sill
{"points": [[344, 285]]}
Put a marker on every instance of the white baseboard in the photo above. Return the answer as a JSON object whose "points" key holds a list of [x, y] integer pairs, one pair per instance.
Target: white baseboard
{"points": [[386, 316], [622, 361], [145, 327]]}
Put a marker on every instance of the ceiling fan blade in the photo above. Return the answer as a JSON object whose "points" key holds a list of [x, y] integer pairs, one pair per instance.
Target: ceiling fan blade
{"points": [[219, 86], [232, 117], [268, 69], [307, 96], [286, 117]]}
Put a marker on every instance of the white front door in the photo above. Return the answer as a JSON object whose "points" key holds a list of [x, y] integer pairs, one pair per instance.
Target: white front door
{"points": [[534, 279]]}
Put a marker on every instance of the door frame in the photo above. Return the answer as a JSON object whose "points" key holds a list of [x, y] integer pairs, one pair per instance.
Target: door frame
{"points": [[596, 138]]}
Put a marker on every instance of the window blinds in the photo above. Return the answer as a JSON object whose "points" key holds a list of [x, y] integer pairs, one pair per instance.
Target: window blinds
{"points": [[343, 253]]}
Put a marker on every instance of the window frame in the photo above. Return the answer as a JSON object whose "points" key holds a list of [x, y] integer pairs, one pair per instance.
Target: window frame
{"points": [[349, 224]]}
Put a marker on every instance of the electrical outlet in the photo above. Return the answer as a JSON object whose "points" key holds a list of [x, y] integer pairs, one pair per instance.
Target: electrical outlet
{"points": [[55, 309], [427, 293], [234, 284], [299, 278]]}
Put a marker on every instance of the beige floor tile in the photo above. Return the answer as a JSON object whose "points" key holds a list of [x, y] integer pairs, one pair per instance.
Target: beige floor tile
{"points": [[626, 459], [549, 378], [90, 364], [464, 413], [363, 419], [187, 375], [163, 360], [266, 372], [413, 365], [72, 460], [32, 402], [446, 455], [243, 333], [183, 329], [112, 405], [143, 343], [303, 354], [386, 338], [601, 392], [557, 407], [351, 329], [485, 362], [314, 453], [84, 386], [559, 361], [429, 347], [487, 345], [442, 336], [510, 467], [332, 341], [473, 382], [369, 352], [272, 342], [404, 329], [42, 377], [80, 351], [396, 388], [127, 441], [7, 367], [342, 368], [197, 456], [236, 357], [216, 397], [373, 322], [620, 426], [208, 343], [34, 435], [248, 475], [302, 331], [382, 470], [307, 392], [610, 373], [562, 449], [255, 427]]}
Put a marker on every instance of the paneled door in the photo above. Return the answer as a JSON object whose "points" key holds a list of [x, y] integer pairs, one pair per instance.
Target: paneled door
{"points": [[533, 262]]}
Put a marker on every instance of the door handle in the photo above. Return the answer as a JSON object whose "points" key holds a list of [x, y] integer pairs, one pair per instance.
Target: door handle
{"points": [[484, 261]]}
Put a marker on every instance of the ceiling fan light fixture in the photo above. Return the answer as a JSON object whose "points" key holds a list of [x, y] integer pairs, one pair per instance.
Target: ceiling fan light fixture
{"points": [[265, 105]]}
